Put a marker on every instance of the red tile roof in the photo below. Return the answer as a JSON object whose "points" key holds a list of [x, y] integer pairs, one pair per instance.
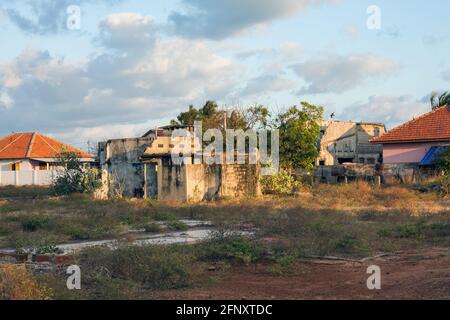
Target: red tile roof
{"points": [[33, 145], [430, 127]]}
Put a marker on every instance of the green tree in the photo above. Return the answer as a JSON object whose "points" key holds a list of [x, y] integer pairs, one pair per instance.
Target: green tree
{"points": [[189, 117], [442, 100], [213, 117], [299, 133]]}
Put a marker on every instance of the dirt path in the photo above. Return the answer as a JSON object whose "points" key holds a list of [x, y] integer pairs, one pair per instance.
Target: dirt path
{"points": [[409, 275]]}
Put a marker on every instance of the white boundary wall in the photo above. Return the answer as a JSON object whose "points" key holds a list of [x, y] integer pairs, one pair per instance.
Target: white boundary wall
{"points": [[27, 177]]}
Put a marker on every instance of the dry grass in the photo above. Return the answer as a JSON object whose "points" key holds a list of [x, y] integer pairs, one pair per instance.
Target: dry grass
{"points": [[17, 283], [355, 220]]}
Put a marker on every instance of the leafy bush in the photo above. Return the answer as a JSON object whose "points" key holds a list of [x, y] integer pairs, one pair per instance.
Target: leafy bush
{"points": [[74, 177], [34, 223], [235, 248], [280, 184]]}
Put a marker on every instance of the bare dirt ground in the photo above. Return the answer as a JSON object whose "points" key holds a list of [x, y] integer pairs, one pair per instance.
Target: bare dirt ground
{"points": [[407, 275]]}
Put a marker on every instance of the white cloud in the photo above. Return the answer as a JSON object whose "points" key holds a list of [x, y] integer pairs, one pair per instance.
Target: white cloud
{"points": [[267, 83], [221, 19], [336, 74], [127, 32], [118, 87], [390, 110]]}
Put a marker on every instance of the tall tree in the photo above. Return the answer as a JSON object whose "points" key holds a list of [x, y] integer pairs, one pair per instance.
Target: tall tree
{"points": [[299, 132], [442, 100]]}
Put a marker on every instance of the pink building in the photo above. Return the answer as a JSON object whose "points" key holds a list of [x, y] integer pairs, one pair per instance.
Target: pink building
{"points": [[414, 141]]}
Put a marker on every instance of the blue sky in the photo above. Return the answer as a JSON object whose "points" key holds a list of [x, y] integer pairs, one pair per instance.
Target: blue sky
{"points": [[136, 64]]}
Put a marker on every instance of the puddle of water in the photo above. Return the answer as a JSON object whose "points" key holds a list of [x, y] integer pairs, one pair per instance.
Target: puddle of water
{"points": [[187, 237], [204, 231]]}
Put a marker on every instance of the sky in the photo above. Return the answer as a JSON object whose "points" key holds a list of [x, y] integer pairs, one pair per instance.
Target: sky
{"points": [[84, 71]]}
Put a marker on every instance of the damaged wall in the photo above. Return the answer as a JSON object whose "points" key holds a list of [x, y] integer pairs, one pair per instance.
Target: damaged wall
{"points": [[200, 182], [136, 168], [122, 169]]}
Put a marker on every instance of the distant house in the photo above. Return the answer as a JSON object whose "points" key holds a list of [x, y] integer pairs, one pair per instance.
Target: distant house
{"points": [[349, 142], [418, 141], [21, 154]]}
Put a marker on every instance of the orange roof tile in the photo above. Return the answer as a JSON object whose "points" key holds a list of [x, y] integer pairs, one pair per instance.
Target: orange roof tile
{"points": [[34, 145], [432, 126]]}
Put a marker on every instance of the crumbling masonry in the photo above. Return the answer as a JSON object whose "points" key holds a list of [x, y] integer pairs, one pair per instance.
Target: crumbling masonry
{"points": [[143, 168]]}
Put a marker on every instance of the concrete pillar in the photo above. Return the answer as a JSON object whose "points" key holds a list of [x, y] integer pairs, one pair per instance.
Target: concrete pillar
{"points": [[35, 177], [145, 181], [346, 180]]}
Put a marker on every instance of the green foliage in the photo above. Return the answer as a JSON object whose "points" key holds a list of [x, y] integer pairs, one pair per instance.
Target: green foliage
{"points": [[299, 133], [213, 118], [280, 184], [34, 223], [231, 247], [177, 225], [152, 228], [443, 161], [74, 177]]}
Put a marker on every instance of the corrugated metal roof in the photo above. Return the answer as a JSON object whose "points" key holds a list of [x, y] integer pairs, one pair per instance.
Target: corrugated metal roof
{"points": [[432, 155]]}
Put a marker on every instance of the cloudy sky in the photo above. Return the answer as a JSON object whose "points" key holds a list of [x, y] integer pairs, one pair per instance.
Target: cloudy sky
{"points": [[134, 64]]}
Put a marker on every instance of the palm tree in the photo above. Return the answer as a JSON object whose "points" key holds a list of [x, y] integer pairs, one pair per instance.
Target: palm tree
{"points": [[443, 100]]}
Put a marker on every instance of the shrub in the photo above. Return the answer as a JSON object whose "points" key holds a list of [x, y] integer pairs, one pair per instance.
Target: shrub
{"points": [[177, 225], [151, 266], [73, 177], [443, 184], [152, 228], [34, 223], [235, 248], [280, 184]]}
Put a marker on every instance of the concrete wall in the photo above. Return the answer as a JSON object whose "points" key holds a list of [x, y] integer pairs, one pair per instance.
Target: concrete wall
{"points": [[25, 164], [27, 177], [407, 152], [134, 168], [121, 167], [351, 171], [210, 182], [203, 182], [172, 181]]}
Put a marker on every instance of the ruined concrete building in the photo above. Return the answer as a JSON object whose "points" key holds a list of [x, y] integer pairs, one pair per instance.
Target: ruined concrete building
{"points": [[349, 142], [143, 167]]}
